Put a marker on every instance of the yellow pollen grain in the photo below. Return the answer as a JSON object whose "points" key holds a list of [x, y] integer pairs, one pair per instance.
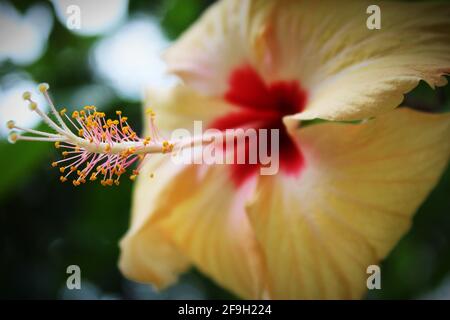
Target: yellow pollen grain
{"points": [[10, 124], [43, 87], [26, 95]]}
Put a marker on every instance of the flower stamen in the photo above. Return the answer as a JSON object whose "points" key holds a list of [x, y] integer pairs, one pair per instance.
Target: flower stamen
{"points": [[101, 146]]}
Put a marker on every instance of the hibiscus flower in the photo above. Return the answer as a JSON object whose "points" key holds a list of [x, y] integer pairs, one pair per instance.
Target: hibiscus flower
{"points": [[347, 188]]}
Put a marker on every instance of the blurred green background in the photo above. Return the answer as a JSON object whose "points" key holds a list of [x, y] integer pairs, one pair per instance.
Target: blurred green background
{"points": [[46, 226]]}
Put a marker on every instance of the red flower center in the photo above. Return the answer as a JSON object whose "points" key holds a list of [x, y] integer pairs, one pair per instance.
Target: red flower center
{"points": [[259, 105]]}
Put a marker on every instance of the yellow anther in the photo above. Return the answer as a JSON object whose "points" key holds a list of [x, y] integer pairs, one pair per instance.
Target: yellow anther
{"points": [[109, 182], [43, 87], [75, 114], [76, 183], [62, 179], [73, 168], [80, 132], [136, 172], [12, 138], [150, 112], [146, 141], [125, 130], [82, 113], [123, 119], [93, 177], [26, 95], [116, 182], [54, 164], [65, 153], [108, 148], [32, 105], [133, 177], [10, 124], [62, 169], [118, 112], [63, 111], [57, 145]]}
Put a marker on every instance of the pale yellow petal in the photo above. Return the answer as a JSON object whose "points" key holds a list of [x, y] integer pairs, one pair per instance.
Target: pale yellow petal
{"points": [[352, 72], [352, 203], [147, 255], [211, 228], [228, 35]]}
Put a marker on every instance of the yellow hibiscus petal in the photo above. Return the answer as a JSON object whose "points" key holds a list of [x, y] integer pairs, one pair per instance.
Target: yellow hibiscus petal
{"points": [[147, 255], [211, 228], [352, 203], [229, 34], [352, 72]]}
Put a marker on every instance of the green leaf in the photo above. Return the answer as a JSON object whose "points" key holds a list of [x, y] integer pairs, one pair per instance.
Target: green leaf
{"points": [[18, 161]]}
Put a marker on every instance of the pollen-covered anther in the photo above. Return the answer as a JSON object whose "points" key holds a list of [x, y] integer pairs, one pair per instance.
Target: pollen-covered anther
{"points": [[10, 124], [150, 112], [146, 141], [32, 105], [43, 87], [26, 95], [13, 137]]}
